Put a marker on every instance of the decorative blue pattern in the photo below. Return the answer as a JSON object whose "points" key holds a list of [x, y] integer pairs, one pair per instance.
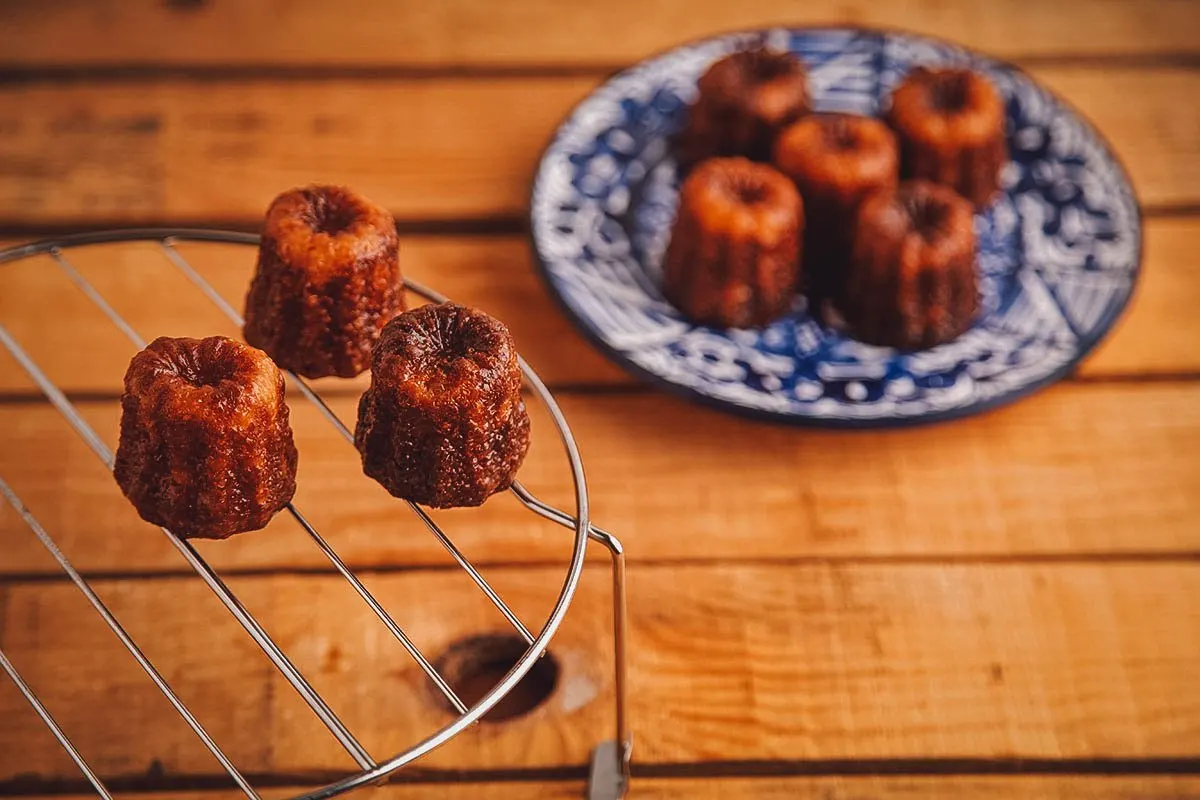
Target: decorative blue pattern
{"points": [[1059, 250]]}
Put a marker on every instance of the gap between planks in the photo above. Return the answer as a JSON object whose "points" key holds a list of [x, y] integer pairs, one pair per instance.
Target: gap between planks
{"points": [[899, 560], [11, 73], [466, 227], [528, 33], [36, 398], [773, 788], [894, 775]]}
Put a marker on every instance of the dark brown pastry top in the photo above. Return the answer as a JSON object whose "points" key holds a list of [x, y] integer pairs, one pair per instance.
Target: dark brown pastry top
{"points": [[931, 223], [838, 157], [327, 281], [741, 198], [328, 230], [443, 423], [947, 108], [744, 100], [206, 446]]}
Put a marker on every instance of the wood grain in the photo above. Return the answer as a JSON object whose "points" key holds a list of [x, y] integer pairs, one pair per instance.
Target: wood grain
{"points": [[1017, 591], [1081, 469], [492, 273], [777, 788], [166, 150], [171, 150], [543, 32], [729, 663], [495, 273]]}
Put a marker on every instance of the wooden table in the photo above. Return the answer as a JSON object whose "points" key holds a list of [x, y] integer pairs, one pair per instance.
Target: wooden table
{"points": [[1002, 607]]}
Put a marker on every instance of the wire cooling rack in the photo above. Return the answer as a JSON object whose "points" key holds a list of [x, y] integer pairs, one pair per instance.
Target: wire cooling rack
{"points": [[610, 761]]}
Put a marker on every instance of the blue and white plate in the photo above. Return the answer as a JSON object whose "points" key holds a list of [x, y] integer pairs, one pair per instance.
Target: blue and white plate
{"points": [[1059, 251]]}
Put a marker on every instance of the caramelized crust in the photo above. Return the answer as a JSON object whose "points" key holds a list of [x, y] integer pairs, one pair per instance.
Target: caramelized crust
{"points": [[744, 100], [206, 447], [835, 160], [734, 255], [443, 423], [327, 281], [912, 282], [950, 124]]}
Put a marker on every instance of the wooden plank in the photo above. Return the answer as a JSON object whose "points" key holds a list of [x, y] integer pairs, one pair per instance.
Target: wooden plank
{"points": [[170, 150], [491, 272], [776, 663], [539, 32], [778, 788], [1081, 469], [166, 150]]}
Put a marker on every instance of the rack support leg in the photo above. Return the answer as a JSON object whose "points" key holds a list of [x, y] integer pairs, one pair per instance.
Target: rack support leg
{"points": [[608, 778]]}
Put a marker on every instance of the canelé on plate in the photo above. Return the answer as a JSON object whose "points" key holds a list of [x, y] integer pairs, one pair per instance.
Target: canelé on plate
{"points": [[734, 257], [950, 125], [911, 282]]}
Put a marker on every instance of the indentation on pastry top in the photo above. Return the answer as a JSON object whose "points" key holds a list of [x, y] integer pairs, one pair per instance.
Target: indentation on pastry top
{"points": [[328, 229], [331, 210], [203, 373], [763, 66], [838, 154], [461, 333], [934, 212], [769, 84], [747, 189], [446, 347], [742, 197], [455, 331], [949, 89], [926, 215], [838, 132], [196, 362], [738, 180], [947, 108], [194, 376]]}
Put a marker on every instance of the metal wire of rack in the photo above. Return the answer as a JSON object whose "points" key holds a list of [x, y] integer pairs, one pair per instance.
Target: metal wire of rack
{"points": [[610, 766]]}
